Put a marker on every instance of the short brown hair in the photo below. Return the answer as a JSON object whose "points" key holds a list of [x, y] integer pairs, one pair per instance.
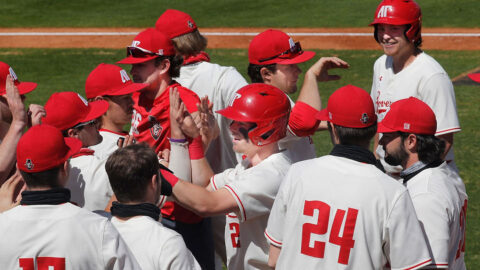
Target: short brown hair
{"points": [[175, 64], [130, 170], [190, 43], [44, 179]]}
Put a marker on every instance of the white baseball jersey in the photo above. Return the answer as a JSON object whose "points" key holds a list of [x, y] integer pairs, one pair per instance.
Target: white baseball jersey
{"points": [[424, 79], [297, 148], [108, 145], [154, 246], [88, 182], [220, 84], [59, 237], [336, 213], [254, 190], [440, 201]]}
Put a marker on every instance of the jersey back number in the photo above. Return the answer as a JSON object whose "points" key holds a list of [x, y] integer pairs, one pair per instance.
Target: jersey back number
{"points": [[43, 263], [345, 241]]}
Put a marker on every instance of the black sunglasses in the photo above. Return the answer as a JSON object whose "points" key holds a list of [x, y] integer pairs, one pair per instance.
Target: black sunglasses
{"points": [[139, 52], [296, 49]]}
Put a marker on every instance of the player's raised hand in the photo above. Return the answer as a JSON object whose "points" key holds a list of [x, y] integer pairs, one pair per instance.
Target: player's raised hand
{"points": [[15, 103], [323, 65], [124, 142], [10, 192], [206, 122], [179, 114], [35, 113]]}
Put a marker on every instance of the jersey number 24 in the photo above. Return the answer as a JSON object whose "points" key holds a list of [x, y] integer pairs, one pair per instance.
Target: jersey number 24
{"points": [[345, 241]]}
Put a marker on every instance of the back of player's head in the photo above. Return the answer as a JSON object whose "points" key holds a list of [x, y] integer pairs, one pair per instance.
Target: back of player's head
{"points": [[264, 105], [23, 87], [41, 152], [130, 170], [182, 30], [413, 116], [351, 110], [400, 12], [67, 109]]}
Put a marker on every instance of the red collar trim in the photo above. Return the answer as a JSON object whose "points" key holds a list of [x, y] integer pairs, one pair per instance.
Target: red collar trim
{"points": [[83, 152], [123, 133]]}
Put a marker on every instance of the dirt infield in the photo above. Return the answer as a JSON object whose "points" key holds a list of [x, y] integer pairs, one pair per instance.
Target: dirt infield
{"points": [[311, 38]]}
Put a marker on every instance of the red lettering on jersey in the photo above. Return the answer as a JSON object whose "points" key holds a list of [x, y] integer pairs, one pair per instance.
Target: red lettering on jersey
{"points": [[463, 223], [235, 235], [43, 263], [345, 241]]}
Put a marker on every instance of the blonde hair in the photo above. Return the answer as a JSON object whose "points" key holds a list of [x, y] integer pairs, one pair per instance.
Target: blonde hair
{"points": [[190, 43]]}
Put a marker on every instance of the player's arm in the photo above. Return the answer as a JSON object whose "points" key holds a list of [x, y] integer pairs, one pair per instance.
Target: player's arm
{"points": [[198, 199], [273, 255], [309, 94], [8, 146]]}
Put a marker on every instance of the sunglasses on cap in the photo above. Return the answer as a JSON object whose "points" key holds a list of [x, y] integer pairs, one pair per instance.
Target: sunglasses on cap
{"points": [[138, 52], [296, 49], [84, 124]]}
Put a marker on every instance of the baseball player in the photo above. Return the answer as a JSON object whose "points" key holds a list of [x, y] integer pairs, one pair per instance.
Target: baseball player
{"points": [[273, 58], [76, 118], [217, 82], [112, 84], [245, 193], [405, 70], [134, 175], [155, 63], [352, 217], [47, 231], [13, 118], [438, 194]]}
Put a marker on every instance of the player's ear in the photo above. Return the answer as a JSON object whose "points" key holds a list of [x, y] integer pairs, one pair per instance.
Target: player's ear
{"points": [[164, 66], [410, 143], [98, 98], [63, 173], [73, 133], [266, 74]]}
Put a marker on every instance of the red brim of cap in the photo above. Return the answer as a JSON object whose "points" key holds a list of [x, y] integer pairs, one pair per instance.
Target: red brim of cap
{"points": [[304, 57], [97, 109], [322, 115], [383, 129], [26, 87], [131, 88], [136, 60], [229, 113], [74, 146], [475, 77]]}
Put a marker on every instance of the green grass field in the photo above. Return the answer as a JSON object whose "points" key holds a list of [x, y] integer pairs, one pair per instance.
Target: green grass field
{"points": [[67, 69]]}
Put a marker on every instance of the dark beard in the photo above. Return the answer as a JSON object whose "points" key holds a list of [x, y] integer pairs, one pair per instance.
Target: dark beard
{"points": [[397, 158]]}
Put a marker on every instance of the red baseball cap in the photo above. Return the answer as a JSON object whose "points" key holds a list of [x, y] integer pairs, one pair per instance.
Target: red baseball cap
{"points": [[43, 147], [409, 115], [110, 80], [475, 77], [174, 23], [275, 47], [23, 87], [349, 106], [147, 45], [67, 109]]}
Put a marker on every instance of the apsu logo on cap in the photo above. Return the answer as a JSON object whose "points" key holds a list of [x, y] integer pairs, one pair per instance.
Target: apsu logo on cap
{"points": [[156, 128], [190, 24], [83, 99], [12, 73], [406, 126], [364, 118], [135, 43], [29, 164], [124, 76]]}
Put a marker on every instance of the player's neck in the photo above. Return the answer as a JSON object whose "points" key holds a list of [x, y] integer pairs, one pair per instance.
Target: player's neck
{"points": [[108, 124], [403, 60], [263, 153], [412, 159]]}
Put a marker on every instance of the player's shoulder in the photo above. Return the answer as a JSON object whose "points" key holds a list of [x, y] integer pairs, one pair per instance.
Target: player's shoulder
{"points": [[184, 92], [381, 62], [438, 182], [428, 65]]}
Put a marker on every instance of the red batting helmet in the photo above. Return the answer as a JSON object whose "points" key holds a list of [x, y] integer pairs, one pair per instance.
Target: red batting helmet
{"points": [[400, 12], [266, 106]]}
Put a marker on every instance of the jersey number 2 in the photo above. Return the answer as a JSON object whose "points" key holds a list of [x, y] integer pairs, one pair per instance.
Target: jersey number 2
{"points": [[43, 263], [345, 241]]}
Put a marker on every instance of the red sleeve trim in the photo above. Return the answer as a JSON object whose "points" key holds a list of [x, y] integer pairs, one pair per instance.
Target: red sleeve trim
{"points": [[274, 242], [212, 180], [242, 208], [302, 121], [419, 265], [450, 130]]}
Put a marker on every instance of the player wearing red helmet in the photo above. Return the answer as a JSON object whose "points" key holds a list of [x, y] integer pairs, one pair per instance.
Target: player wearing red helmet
{"points": [[405, 70], [259, 115]]}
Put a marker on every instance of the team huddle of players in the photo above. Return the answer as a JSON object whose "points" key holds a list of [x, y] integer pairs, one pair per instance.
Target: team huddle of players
{"points": [[217, 171]]}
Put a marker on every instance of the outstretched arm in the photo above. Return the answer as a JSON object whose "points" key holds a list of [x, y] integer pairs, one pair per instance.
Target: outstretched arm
{"points": [[8, 146]]}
